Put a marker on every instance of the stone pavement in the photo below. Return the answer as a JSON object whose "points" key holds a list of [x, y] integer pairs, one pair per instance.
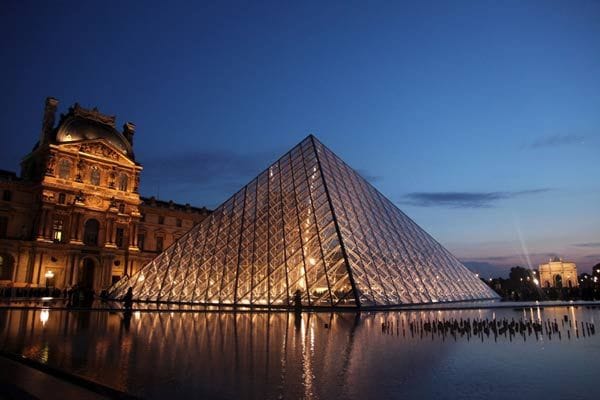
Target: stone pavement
{"points": [[20, 381]]}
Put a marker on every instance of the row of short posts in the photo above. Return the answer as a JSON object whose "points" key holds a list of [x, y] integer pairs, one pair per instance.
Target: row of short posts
{"points": [[484, 328]]}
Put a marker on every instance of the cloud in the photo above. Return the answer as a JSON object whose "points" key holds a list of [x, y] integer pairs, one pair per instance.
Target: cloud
{"points": [[204, 166], [556, 140], [463, 199], [512, 259], [211, 174], [369, 177], [589, 244]]}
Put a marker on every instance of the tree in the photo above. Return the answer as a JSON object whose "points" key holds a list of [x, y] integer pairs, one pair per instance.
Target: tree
{"points": [[596, 271]]}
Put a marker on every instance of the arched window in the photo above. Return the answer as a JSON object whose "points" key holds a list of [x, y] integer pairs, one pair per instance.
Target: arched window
{"points": [[90, 232], [123, 182], [6, 264], [95, 176], [64, 169]]}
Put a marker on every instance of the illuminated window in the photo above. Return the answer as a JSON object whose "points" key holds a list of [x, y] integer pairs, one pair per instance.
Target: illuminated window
{"points": [[123, 182], [64, 169], [95, 176], [57, 230]]}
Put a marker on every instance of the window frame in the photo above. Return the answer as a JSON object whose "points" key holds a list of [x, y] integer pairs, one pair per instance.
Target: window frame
{"points": [[65, 168]]}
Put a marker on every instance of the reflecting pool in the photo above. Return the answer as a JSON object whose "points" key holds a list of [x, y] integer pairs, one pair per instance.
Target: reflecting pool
{"points": [[550, 353]]}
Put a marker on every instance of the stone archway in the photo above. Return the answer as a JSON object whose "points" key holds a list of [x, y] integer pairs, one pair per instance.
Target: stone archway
{"points": [[86, 273], [558, 281]]}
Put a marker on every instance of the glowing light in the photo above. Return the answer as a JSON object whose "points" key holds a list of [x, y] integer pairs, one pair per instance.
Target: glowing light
{"points": [[312, 261], [44, 315], [49, 274], [537, 283]]}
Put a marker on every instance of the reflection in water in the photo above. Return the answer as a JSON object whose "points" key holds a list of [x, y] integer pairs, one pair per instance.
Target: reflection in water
{"points": [[44, 315], [313, 355]]}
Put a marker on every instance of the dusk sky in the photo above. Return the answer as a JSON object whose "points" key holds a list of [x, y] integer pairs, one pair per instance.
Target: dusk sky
{"points": [[480, 119]]}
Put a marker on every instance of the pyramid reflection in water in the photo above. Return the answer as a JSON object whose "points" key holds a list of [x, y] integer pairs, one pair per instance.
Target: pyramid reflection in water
{"points": [[308, 223]]}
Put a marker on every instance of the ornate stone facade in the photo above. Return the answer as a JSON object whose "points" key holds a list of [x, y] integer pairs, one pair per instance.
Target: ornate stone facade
{"points": [[558, 273], [75, 216]]}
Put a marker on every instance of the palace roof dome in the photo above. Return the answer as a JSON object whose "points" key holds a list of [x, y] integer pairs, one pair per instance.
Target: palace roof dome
{"points": [[75, 128]]}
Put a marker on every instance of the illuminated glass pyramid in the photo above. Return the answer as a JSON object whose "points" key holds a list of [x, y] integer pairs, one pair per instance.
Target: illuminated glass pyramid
{"points": [[308, 223]]}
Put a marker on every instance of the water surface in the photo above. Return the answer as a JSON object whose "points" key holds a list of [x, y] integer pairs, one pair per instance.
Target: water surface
{"points": [[316, 355]]}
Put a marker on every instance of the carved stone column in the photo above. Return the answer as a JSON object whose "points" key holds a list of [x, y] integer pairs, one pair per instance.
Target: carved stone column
{"points": [[75, 230], [133, 233], [110, 231], [74, 268]]}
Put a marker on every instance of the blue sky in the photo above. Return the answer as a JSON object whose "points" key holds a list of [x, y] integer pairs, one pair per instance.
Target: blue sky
{"points": [[479, 119]]}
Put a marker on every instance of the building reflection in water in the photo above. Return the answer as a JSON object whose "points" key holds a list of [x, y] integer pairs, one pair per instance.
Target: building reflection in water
{"points": [[241, 355]]}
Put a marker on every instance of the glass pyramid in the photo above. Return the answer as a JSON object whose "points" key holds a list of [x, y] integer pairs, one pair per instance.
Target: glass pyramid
{"points": [[308, 223]]}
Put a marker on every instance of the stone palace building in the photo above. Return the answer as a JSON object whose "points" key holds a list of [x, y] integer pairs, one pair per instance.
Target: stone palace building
{"points": [[74, 215]]}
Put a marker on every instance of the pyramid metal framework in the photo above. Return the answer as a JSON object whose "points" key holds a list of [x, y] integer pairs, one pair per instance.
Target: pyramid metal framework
{"points": [[308, 223]]}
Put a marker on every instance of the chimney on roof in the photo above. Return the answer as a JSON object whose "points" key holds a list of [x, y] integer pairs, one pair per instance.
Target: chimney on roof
{"points": [[49, 116], [129, 131]]}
